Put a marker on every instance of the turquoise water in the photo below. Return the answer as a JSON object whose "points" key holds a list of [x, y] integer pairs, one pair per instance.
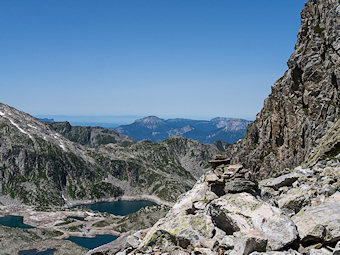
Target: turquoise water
{"points": [[13, 221], [91, 243], [118, 207]]}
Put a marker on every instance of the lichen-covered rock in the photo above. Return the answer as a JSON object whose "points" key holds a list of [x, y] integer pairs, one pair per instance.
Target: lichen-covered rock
{"points": [[183, 229], [295, 199], [319, 223], [243, 212]]}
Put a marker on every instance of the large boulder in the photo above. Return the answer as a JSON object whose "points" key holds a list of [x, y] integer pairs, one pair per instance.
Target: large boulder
{"points": [[319, 223], [283, 180], [244, 213], [181, 229]]}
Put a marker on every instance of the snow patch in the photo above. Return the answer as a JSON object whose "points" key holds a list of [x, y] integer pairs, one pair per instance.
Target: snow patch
{"points": [[1, 113], [90, 214], [62, 195], [32, 126], [20, 129], [61, 144]]}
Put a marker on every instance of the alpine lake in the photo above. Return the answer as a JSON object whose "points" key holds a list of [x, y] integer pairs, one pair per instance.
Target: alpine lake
{"points": [[121, 207]]}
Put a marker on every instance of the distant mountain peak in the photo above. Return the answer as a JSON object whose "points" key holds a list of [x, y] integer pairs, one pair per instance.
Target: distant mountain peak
{"points": [[150, 120]]}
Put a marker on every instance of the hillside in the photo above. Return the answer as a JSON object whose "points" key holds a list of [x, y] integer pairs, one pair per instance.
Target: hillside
{"points": [[227, 130], [41, 167]]}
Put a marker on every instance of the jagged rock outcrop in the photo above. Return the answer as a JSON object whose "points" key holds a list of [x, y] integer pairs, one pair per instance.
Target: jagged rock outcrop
{"points": [[41, 167], [91, 136], [304, 102]]}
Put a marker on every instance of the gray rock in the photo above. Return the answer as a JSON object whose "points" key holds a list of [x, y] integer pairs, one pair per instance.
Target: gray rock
{"points": [[337, 249], [239, 185], [283, 180], [243, 212], [254, 240], [319, 223]]}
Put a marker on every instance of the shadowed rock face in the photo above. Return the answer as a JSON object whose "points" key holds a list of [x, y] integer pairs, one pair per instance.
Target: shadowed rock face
{"points": [[304, 102]]}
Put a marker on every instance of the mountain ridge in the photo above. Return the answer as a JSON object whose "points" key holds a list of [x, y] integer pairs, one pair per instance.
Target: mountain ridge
{"points": [[156, 129], [40, 166]]}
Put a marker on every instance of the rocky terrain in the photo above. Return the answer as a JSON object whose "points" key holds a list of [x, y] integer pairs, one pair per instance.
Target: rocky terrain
{"points": [[281, 193], [228, 212], [91, 136], [304, 102], [40, 166], [227, 130]]}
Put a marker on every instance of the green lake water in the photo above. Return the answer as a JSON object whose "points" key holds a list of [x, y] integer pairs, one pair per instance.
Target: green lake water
{"points": [[13, 222], [121, 207], [91, 243]]}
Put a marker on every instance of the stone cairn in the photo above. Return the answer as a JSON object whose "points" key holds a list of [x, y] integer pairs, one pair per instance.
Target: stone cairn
{"points": [[227, 178]]}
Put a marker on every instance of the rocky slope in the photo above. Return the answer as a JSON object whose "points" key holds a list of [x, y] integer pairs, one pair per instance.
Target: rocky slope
{"points": [[91, 136], [228, 212], [40, 166], [304, 102], [227, 130]]}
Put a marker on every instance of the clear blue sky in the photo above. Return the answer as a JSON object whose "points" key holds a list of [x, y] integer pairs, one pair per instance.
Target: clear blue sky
{"points": [[170, 58]]}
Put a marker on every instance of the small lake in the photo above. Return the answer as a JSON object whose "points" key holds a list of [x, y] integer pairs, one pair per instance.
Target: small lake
{"points": [[91, 243], [13, 222], [121, 207]]}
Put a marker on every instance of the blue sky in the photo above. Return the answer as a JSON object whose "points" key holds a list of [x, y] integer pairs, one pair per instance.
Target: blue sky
{"points": [[170, 58]]}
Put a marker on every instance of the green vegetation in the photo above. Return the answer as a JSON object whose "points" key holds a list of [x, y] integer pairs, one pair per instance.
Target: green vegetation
{"points": [[66, 222], [101, 224], [301, 50], [74, 228], [318, 29]]}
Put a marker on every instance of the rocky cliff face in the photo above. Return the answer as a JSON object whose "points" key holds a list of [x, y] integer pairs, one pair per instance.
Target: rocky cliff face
{"points": [[41, 167], [304, 102]]}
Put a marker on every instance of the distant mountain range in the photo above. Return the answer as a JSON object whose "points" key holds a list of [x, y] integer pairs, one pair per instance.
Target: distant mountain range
{"points": [[156, 129]]}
